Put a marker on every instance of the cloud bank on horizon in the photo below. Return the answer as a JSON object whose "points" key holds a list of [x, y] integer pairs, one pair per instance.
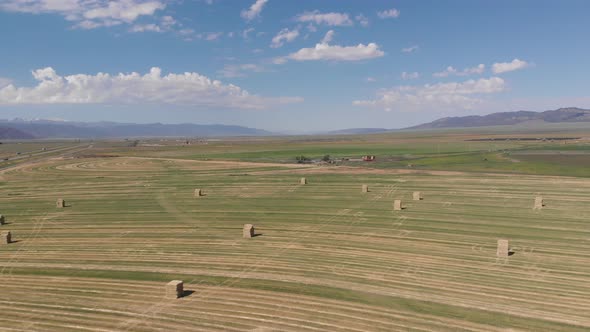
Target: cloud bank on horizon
{"points": [[301, 57], [464, 95], [133, 88]]}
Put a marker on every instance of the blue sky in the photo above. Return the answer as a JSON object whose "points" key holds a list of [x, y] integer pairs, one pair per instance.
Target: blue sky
{"points": [[296, 66]]}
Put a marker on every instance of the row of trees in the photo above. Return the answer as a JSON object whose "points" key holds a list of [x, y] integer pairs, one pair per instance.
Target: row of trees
{"points": [[303, 159]]}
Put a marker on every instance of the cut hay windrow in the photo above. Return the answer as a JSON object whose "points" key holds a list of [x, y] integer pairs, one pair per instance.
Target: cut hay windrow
{"points": [[329, 259]]}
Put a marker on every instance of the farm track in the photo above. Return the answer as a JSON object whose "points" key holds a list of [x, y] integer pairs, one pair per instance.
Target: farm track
{"points": [[329, 258]]}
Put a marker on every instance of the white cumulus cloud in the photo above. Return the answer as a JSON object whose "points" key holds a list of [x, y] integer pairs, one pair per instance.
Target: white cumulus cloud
{"points": [[409, 76], [362, 19], [209, 36], [240, 70], [451, 96], [254, 10], [331, 19], [146, 27], [41, 6], [410, 49], [503, 67], [166, 24], [189, 88], [390, 13], [451, 71], [4, 81], [88, 14], [285, 35], [246, 32], [324, 51], [126, 11], [328, 37]]}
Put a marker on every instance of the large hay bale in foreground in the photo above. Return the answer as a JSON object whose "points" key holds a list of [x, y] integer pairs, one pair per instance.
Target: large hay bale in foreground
{"points": [[1, 219], [417, 195], [538, 203], [303, 181], [61, 203], [248, 231], [174, 289], [5, 237], [365, 188], [503, 248], [397, 205], [198, 193]]}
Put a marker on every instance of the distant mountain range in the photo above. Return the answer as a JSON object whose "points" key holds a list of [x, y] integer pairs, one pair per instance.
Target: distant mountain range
{"points": [[570, 114], [562, 115], [11, 133], [23, 129], [28, 129]]}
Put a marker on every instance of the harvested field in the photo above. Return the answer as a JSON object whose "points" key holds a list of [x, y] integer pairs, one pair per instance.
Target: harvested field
{"points": [[329, 259]]}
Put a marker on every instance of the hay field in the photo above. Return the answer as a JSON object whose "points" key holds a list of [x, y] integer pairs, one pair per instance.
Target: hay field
{"points": [[328, 257]]}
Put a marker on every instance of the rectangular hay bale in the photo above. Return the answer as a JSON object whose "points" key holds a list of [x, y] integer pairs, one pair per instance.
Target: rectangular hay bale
{"points": [[417, 195], [538, 203], [248, 231], [5, 237], [503, 249], [174, 289]]}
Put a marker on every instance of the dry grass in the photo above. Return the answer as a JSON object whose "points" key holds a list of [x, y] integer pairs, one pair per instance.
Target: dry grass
{"points": [[326, 259]]}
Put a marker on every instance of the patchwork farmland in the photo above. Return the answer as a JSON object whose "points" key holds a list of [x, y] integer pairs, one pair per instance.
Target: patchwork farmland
{"points": [[326, 256]]}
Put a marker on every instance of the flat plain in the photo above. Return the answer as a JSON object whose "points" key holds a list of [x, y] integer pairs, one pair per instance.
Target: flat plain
{"points": [[327, 256]]}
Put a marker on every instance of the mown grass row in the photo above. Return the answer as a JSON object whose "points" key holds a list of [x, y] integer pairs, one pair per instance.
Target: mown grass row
{"points": [[317, 239]]}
